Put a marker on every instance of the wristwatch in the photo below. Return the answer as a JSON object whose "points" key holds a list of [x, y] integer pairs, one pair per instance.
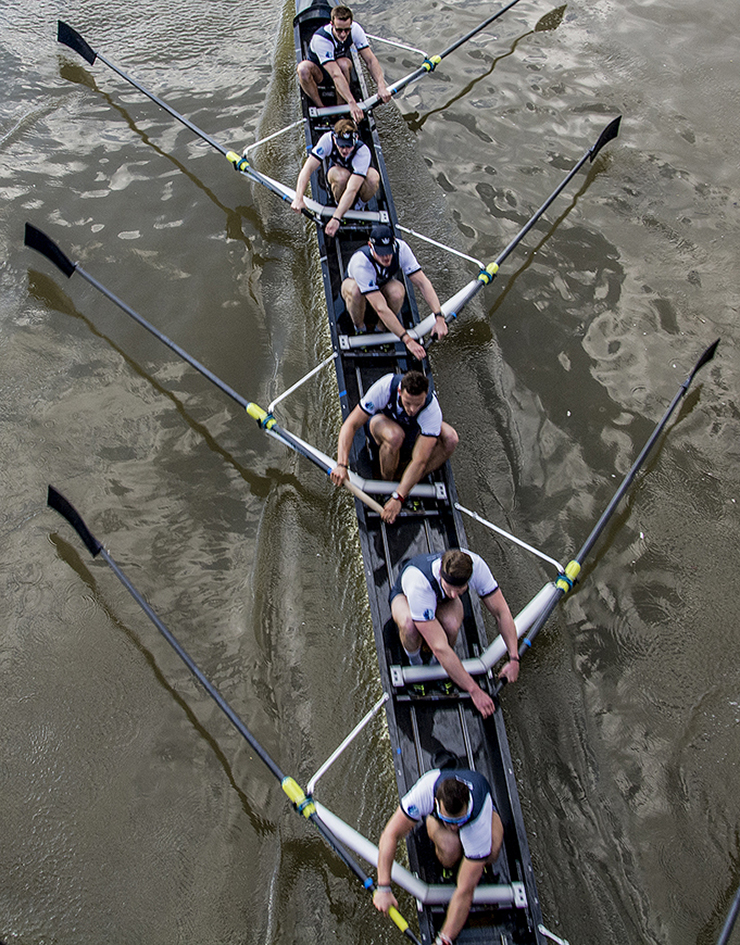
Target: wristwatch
{"points": [[397, 495]]}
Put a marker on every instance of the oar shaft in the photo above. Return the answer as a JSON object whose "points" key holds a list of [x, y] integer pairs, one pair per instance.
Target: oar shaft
{"points": [[707, 355], [303, 804], [74, 40], [477, 29], [724, 938], [565, 582], [39, 241]]}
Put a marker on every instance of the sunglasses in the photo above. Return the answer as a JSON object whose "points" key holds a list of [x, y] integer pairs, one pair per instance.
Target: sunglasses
{"points": [[454, 821], [342, 29]]}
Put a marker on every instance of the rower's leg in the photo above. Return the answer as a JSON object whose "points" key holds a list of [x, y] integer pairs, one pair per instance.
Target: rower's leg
{"points": [[410, 637], [447, 845], [338, 177], [390, 438], [370, 185], [450, 614], [443, 448], [394, 293], [355, 302], [346, 66], [309, 76]]}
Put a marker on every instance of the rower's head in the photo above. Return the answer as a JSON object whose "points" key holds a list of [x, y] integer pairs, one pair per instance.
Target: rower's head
{"points": [[452, 803], [455, 572], [413, 391], [382, 243], [345, 135], [341, 22]]}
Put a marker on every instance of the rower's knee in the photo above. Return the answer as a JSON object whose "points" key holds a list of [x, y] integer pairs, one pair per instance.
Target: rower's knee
{"points": [[450, 441]]}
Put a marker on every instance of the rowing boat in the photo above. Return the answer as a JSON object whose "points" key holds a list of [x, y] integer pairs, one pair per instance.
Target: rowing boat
{"points": [[421, 723]]}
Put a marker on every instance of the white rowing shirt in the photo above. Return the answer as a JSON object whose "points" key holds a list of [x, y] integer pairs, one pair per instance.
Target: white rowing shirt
{"points": [[325, 48], [369, 276], [422, 596], [360, 160], [475, 835], [378, 398]]}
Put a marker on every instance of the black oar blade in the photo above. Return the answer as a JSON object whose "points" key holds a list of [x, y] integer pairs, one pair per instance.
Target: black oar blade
{"points": [[611, 131], [65, 508], [704, 359], [47, 247], [71, 38]]}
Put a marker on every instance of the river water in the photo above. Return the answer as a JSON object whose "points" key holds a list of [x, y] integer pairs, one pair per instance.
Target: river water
{"points": [[131, 811]]}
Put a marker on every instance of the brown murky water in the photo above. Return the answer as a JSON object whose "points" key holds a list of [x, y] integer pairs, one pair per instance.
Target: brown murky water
{"points": [[130, 811]]}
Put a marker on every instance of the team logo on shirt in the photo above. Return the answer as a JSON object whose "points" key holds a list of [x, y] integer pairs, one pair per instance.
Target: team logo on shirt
{"points": [[371, 284], [370, 406], [429, 615], [413, 811]]}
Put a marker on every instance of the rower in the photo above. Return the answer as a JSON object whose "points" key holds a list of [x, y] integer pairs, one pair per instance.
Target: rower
{"points": [[406, 424], [462, 823], [353, 182], [330, 57], [427, 608], [371, 280]]}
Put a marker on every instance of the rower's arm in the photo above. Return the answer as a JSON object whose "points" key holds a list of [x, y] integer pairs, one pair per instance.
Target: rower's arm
{"points": [[347, 201], [341, 84], [422, 451], [433, 632], [422, 283], [347, 433], [376, 71], [385, 313], [496, 605], [311, 164], [468, 877], [395, 830]]}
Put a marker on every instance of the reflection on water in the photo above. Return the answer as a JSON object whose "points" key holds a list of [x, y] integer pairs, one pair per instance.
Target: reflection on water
{"points": [[131, 810]]}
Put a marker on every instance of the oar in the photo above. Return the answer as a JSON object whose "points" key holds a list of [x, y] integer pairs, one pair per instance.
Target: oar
{"points": [[303, 805], [429, 65], [724, 938], [565, 582], [454, 305], [70, 37], [38, 240]]}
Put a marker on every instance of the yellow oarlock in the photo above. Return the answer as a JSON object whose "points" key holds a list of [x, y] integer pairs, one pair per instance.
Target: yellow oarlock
{"points": [[572, 570], [265, 420], [486, 275], [295, 792]]}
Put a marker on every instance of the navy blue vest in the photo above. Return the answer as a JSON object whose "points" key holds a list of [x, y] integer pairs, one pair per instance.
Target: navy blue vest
{"points": [[341, 47], [424, 563], [394, 409], [383, 274], [336, 156], [481, 787]]}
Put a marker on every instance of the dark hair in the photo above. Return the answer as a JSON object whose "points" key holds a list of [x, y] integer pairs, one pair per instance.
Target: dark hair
{"points": [[414, 383], [454, 795], [341, 13], [458, 565]]}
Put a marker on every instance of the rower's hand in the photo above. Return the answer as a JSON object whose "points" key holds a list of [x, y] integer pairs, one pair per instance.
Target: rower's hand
{"points": [[339, 475], [356, 112], [483, 702], [415, 348], [297, 204], [332, 226], [510, 672], [390, 510], [384, 93], [384, 901], [440, 328]]}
